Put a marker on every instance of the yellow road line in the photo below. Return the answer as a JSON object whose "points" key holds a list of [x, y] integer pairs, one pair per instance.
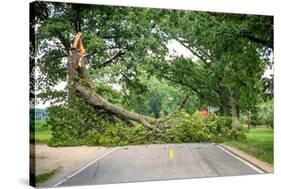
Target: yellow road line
{"points": [[171, 154]]}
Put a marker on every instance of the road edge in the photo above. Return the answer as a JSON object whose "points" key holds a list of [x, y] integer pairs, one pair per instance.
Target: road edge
{"points": [[259, 164], [84, 167]]}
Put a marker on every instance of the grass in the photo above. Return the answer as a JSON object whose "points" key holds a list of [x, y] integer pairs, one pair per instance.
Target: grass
{"points": [[259, 143], [46, 176], [40, 134], [43, 137]]}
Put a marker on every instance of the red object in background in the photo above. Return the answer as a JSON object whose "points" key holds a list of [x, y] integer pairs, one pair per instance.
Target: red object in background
{"points": [[205, 113]]}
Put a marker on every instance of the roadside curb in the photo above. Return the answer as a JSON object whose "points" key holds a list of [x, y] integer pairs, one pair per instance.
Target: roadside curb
{"points": [[265, 167]]}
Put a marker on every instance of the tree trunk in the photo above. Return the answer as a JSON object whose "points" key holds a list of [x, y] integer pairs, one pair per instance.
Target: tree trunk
{"points": [[183, 100], [223, 108], [80, 82], [235, 111], [223, 101], [249, 120]]}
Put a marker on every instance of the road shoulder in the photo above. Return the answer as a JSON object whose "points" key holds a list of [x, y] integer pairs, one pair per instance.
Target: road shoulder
{"points": [[268, 168], [66, 159]]}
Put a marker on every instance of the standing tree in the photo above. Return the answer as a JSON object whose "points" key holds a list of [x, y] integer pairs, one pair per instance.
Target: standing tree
{"points": [[233, 52]]}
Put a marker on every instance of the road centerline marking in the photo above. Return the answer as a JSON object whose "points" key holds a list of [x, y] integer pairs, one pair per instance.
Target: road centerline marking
{"points": [[171, 153], [86, 166]]}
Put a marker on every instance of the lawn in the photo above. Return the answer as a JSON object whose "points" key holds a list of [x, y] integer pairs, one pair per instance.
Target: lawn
{"points": [[43, 137], [42, 133], [259, 143]]}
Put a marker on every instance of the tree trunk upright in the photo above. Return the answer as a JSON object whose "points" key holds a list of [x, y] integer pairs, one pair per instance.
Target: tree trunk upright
{"points": [[249, 120], [235, 111]]}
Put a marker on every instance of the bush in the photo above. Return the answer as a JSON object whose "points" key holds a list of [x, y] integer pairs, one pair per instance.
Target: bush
{"points": [[237, 133], [72, 127], [120, 134], [196, 128]]}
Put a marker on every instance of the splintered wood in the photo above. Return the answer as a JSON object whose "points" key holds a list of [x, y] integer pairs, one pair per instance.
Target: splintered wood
{"points": [[78, 45]]}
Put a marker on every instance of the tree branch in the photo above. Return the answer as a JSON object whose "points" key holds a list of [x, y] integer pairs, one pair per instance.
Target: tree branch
{"points": [[64, 42], [93, 99], [110, 60], [183, 43], [258, 40], [193, 51], [264, 42]]}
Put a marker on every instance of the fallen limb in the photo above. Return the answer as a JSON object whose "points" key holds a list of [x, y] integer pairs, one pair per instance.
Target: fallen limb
{"points": [[80, 82]]}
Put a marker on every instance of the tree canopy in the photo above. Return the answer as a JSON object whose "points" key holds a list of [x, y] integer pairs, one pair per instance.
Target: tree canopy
{"points": [[129, 74]]}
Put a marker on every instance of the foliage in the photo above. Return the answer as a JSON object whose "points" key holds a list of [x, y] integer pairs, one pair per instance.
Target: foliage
{"points": [[263, 114], [230, 63], [118, 135], [184, 128], [196, 128], [109, 134], [116, 29], [110, 94], [81, 125], [40, 125], [159, 99], [232, 53], [69, 125]]}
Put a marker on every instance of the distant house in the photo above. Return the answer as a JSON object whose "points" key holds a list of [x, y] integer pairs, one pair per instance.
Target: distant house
{"points": [[205, 112], [38, 114], [212, 109]]}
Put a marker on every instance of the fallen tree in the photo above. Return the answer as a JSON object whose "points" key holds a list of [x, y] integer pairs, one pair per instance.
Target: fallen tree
{"points": [[80, 82]]}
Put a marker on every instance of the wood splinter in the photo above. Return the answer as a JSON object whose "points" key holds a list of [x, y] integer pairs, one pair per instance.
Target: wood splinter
{"points": [[78, 45]]}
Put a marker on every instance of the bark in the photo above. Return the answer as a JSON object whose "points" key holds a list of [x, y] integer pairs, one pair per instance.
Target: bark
{"points": [[264, 42], [223, 106], [222, 100], [80, 82], [94, 99], [248, 119], [183, 101], [235, 111], [223, 109], [110, 60]]}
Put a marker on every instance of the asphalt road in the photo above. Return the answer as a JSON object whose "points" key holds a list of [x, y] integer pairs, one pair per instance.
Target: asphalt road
{"points": [[159, 162]]}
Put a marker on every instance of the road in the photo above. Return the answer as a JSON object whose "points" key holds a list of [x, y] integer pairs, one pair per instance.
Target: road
{"points": [[159, 162]]}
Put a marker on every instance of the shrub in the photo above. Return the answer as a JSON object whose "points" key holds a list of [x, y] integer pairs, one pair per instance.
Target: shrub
{"points": [[92, 138], [196, 128], [72, 127], [120, 134], [237, 133]]}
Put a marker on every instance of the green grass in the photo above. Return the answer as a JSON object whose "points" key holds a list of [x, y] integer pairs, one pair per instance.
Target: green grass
{"points": [[40, 133], [43, 137], [259, 143], [46, 176]]}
